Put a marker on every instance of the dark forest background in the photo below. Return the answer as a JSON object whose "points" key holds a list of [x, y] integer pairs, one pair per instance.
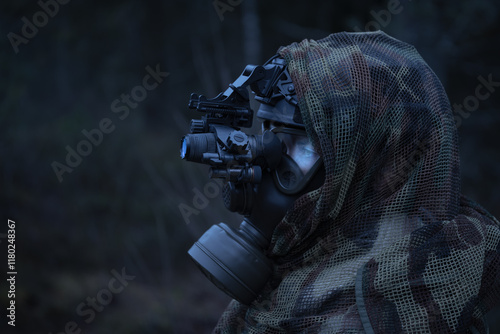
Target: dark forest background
{"points": [[119, 208]]}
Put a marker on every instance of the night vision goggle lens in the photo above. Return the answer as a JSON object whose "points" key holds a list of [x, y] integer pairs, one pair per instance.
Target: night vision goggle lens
{"points": [[184, 148]]}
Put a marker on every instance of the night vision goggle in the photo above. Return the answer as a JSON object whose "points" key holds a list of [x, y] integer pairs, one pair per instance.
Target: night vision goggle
{"points": [[217, 140]]}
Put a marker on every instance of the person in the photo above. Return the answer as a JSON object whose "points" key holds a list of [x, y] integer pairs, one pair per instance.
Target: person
{"points": [[385, 243]]}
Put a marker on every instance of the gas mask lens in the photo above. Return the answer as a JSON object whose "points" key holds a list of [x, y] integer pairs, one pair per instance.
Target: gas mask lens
{"points": [[300, 150], [300, 162]]}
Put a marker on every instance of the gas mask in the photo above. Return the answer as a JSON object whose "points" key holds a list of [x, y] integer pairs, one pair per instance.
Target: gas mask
{"points": [[264, 174]]}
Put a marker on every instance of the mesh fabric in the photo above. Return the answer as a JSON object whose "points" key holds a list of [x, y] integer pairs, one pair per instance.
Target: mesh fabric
{"points": [[387, 244]]}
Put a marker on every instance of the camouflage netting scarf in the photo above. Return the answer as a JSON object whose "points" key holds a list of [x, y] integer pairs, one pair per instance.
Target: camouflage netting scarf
{"points": [[387, 244]]}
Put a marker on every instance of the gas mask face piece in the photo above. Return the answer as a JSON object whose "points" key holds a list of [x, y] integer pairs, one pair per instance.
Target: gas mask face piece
{"points": [[264, 174]]}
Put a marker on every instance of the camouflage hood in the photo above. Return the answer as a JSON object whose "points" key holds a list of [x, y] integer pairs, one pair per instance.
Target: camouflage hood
{"points": [[387, 244]]}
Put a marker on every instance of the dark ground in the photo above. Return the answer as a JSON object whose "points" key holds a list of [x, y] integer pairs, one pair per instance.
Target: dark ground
{"points": [[119, 206]]}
